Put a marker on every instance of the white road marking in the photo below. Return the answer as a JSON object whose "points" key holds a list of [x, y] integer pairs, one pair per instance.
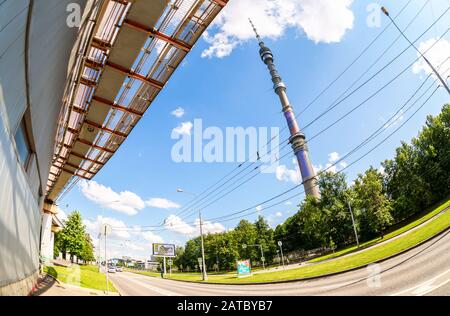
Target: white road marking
{"points": [[428, 286], [153, 288]]}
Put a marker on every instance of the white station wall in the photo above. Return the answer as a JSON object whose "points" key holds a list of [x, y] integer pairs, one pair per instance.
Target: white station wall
{"points": [[50, 44]]}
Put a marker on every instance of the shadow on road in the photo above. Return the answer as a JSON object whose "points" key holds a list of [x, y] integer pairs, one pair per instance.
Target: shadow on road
{"points": [[45, 282]]}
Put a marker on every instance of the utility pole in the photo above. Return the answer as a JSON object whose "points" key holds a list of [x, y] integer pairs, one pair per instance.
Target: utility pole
{"points": [[204, 275], [106, 264], [353, 221], [297, 138], [444, 84], [106, 230]]}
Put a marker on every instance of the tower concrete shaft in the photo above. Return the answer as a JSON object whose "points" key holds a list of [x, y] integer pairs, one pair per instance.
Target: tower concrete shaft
{"points": [[297, 138]]}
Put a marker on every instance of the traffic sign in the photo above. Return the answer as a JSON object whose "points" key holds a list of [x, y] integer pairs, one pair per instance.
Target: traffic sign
{"points": [[280, 243]]}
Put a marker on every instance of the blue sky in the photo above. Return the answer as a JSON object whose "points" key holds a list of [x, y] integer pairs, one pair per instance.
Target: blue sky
{"points": [[235, 90]]}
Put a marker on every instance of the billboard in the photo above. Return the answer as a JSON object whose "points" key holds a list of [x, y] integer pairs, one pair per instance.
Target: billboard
{"points": [[163, 250], [243, 267]]}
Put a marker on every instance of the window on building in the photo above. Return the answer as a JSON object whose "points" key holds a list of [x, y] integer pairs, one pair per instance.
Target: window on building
{"points": [[22, 144]]}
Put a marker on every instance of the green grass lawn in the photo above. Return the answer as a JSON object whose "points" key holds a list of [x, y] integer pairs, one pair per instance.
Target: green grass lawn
{"points": [[339, 264], [84, 276], [391, 234]]}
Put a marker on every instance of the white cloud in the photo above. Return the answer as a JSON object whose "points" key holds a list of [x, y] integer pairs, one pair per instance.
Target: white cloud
{"points": [[209, 227], [395, 120], [324, 21], [125, 202], [259, 208], [274, 219], [183, 129], [178, 112], [119, 228], [438, 57], [332, 165], [288, 203], [161, 203], [62, 216], [329, 167], [333, 157], [176, 224], [124, 240], [285, 174]]}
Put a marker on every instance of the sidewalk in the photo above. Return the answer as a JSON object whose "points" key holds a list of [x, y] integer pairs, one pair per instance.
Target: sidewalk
{"points": [[48, 286]]}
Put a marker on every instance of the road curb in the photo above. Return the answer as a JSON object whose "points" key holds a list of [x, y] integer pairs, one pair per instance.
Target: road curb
{"points": [[440, 234]]}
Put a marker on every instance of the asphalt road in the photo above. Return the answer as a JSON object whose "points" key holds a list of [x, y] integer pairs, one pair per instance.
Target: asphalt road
{"points": [[424, 270]]}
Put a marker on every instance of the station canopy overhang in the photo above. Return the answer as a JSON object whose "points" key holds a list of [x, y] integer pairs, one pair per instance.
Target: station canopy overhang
{"points": [[125, 54]]}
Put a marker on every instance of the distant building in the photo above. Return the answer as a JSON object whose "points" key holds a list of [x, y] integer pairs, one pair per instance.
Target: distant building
{"points": [[151, 264]]}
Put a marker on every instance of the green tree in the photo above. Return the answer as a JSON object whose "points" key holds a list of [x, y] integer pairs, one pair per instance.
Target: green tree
{"points": [[335, 215], [265, 237], [245, 233], [87, 253], [73, 235], [375, 208]]}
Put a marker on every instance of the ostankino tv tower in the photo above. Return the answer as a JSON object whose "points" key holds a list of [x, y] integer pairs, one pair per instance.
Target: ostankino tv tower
{"points": [[297, 138]]}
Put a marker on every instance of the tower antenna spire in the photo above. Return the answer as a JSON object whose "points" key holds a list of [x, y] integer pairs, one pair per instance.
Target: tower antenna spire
{"points": [[297, 139], [256, 31]]}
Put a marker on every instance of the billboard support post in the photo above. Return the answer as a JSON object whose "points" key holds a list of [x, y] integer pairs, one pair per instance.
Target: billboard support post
{"points": [[164, 265]]}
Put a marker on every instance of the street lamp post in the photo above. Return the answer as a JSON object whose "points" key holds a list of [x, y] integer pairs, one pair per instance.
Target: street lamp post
{"points": [[280, 244], [106, 229], [262, 252], [99, 257], [353, 222], [204, 273]]}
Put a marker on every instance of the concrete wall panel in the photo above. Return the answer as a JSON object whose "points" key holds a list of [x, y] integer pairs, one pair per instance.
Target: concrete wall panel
{"points": [[50, 45]]}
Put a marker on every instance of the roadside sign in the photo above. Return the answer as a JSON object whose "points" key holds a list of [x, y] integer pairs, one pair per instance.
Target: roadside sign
{"points": [[263, 259], [170, 262], [280, 243], [243, 267], [163, 250]]}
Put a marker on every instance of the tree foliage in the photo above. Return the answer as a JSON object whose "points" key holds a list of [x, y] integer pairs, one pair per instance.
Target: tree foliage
{"points": [[74, 239]]}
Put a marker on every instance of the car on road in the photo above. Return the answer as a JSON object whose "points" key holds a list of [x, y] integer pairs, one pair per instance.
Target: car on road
{"points": [[119, 269], [111, 268]]}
